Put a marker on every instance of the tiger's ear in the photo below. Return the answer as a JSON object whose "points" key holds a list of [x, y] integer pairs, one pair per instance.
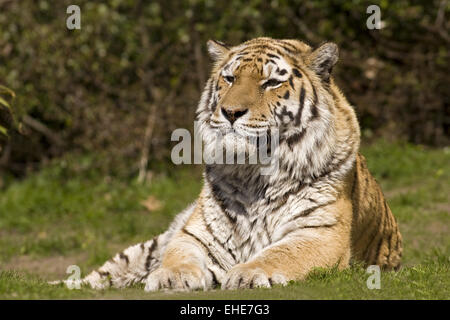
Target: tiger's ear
{"points": [[323, 59], [217, 49]]}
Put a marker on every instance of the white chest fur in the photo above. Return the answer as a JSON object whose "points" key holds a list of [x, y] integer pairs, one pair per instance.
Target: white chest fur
{"points": [[244, 221]]}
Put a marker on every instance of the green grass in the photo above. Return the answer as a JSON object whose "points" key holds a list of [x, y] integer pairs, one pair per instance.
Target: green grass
{"points": [[62, 216]]}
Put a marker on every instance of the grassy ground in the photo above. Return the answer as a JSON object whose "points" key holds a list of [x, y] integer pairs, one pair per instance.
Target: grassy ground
{"points": [[58, 217]]}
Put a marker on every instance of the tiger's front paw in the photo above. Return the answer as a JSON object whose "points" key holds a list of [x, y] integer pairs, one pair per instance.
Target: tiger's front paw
{"points": [[183, 277], [243, 276]]}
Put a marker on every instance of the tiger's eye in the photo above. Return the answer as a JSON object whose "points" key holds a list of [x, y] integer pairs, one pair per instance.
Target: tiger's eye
{"points": [[271, 83], [229, 79]]}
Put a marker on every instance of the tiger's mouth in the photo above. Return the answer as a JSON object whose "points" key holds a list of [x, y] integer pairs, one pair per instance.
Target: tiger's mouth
{"points": [[240, 129], [242, 132], [239, 138]]}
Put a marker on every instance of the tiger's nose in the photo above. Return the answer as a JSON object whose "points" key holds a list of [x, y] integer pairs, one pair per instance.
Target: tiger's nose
{"points": [[233, 114]]}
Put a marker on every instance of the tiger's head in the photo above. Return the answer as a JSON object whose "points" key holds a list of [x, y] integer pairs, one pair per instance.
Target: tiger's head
{"points": [[267, 84]]}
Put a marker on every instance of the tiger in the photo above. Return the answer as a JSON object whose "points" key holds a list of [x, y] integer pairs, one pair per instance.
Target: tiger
{"points": [[321, 208]]}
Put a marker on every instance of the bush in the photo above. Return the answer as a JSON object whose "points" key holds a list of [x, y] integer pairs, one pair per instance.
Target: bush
{"points": [[134, 72], [6, 118]]}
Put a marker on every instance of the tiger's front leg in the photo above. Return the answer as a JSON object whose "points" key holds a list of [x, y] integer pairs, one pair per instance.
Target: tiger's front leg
{"points": [[292, 259], [183, 266]]}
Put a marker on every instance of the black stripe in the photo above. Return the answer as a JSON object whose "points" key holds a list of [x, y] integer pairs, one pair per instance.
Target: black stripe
{"points": [[210, 255], [259, 47], [211, 85], [375, 223], [293, 47], [386, 210], [399, 242], [369, 248], [283, 113], [301, 105], [286, 196], [297, 73], [279, 52], [314, 109], [355, 206], [208, 226], [368, 224], [336, 167], [107, 275], [214, 278], [377, 252], [150, 251], [308, 211], [389, 247], [289, 51], [295, 138], [266, 230], [380, 233], [291, 83], [232, 254], [214, 105], [321, 226], [307, 227], [355, 178], [103, 273], [125, 257], [246, 241], [270, 83], [285, 46], [220, 43]]}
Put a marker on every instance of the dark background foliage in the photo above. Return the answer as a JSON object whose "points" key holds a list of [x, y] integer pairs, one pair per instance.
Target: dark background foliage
{"points": [[118, 87]]}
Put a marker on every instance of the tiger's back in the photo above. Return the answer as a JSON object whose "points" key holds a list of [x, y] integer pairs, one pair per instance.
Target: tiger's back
{"points": [[375, 236]]}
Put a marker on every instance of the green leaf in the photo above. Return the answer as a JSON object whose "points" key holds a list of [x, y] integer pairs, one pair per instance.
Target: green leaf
{"points": [[3, 131], [6, 90], [4, 103]]}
